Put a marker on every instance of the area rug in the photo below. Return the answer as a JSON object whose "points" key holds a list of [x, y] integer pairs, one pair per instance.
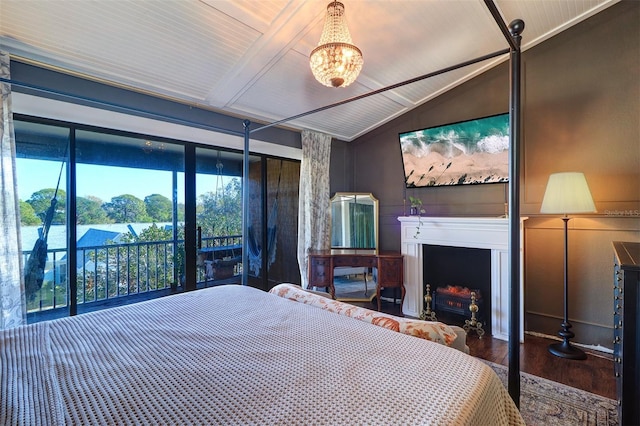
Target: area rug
{"points": [[544, 402]]}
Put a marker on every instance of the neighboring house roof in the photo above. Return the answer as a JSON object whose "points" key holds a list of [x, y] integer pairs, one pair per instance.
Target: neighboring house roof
{"points": [[97, 237], [90, 236], [93, 238], [58, 233]]}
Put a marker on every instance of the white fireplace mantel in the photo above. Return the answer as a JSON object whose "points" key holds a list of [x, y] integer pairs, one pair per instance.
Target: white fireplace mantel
{"points": [[470, 232]]}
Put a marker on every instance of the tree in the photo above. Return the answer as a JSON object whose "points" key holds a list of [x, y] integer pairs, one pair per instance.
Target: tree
{"points": [[180, 212], [159, 208], [153, 233], [28, 216], [220, 213], [41, 201], [126, 208], [89, 210]]}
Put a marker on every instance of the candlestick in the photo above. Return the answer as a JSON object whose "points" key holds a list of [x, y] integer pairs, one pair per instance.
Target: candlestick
{"points": [[404, 201], [506, 200]]}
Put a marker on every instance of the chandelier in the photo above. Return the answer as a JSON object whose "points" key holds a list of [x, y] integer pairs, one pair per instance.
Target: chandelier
{"points": [[336, 62]]}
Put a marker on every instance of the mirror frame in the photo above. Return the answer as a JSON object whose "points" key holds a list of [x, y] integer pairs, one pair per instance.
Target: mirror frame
{"points": [[346, 197]]}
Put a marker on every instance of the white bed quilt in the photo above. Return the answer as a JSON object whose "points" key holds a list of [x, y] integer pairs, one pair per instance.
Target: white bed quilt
{"points": [[237, 355]]}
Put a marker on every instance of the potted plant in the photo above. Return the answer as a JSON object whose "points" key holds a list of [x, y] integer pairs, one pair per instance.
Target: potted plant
{"points": [[415, 206], [416, 209]]}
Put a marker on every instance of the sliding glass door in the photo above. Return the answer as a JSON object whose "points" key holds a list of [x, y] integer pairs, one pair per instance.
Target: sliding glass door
{"points": [[218, 217], [273, 222], [129, 198], [110, 218], [42, 159]]}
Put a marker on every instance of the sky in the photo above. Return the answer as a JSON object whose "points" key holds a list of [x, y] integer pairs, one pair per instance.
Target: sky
{"points": [[105, 182]]}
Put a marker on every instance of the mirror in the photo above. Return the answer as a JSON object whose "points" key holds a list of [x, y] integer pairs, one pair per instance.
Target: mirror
{"points": [[354, 220]]}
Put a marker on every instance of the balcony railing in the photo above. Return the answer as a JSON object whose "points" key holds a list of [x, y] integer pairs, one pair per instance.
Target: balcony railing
{"points": [[120, 271]]}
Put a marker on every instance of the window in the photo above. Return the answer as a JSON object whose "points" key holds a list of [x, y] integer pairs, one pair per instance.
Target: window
{"points": [[116, 231], [41, 164]]}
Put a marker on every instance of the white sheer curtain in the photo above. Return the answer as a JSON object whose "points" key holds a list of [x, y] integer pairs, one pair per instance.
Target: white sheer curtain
{"points": [[12, 300], [314, 221]]}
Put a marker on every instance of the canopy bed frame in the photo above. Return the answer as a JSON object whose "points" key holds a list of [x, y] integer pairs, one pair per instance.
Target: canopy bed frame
{"points": [[512, 34]]}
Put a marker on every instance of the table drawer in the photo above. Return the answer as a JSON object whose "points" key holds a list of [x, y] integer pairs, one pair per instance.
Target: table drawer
{"points": [[367, 262], [320, 272]]}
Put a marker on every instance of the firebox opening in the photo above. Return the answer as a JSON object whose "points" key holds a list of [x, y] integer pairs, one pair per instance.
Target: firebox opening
{"points": [[462, 267]]}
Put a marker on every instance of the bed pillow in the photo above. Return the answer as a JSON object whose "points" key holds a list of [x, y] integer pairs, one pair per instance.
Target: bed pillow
{"points": [[429, 330]]}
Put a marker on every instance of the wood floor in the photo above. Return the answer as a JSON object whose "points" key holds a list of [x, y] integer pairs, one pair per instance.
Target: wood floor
{"points": [[595, 374]]}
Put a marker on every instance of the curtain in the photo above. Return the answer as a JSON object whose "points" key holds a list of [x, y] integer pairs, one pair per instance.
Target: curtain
{"points": [[12, 300], [314, 218]]}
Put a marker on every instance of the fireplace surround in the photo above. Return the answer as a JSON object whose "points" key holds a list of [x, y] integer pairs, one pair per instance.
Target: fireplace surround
{"points": [[470, 232]]}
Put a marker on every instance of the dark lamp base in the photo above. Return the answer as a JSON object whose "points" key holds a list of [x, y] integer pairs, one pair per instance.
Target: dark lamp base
{"points": [[565, 350]]}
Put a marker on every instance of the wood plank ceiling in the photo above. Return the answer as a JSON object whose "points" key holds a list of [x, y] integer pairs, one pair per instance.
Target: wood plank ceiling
{"points": [[249, 58]]}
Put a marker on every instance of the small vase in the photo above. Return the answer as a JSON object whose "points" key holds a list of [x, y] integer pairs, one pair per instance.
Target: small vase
{"points": [[413, 211]]}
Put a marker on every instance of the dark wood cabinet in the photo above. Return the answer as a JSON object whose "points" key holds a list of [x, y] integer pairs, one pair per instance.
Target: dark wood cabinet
{"points": [[389, 265], [626, 339]]}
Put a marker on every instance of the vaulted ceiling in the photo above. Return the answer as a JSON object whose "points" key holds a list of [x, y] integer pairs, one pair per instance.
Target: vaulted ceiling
{"points": [[249, 58]]}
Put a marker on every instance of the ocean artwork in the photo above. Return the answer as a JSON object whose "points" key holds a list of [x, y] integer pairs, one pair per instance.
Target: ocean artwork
{"points": [[467, 152]]}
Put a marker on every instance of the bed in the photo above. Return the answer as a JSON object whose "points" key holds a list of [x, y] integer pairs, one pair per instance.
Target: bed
{"points": [[237, 355]]}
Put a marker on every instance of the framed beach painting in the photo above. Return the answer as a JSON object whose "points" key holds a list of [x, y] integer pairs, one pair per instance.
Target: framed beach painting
{"points": [[463, 153]]}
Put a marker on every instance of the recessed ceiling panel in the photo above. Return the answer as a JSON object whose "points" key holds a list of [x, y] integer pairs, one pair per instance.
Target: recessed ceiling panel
{"points": [[354, 119], [176, 48], [414, 38], [289, 88], [544, 19]]}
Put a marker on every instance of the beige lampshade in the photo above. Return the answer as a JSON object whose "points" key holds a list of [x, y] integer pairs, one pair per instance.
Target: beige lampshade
{"points": [[567, 193]]}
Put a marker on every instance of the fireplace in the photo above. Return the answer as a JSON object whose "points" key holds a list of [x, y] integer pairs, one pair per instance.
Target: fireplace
{"points": [[459, 301], [455, 300], [487, 233], [452, 274]]}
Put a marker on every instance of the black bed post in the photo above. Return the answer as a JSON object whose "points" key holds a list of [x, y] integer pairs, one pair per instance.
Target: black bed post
{"points": [[245, 203], [513, 36], [515, 28]]}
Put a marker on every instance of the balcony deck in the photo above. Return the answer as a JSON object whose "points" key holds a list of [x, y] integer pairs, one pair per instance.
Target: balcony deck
{"points": [[111, 275]]}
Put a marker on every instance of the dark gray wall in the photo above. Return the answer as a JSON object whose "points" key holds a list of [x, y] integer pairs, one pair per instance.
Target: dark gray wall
{"points": [[581, 112], [378, 163], [341, 167]]}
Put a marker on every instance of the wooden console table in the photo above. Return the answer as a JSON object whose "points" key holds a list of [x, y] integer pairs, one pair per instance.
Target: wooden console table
{"points": [[389, 265]]}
